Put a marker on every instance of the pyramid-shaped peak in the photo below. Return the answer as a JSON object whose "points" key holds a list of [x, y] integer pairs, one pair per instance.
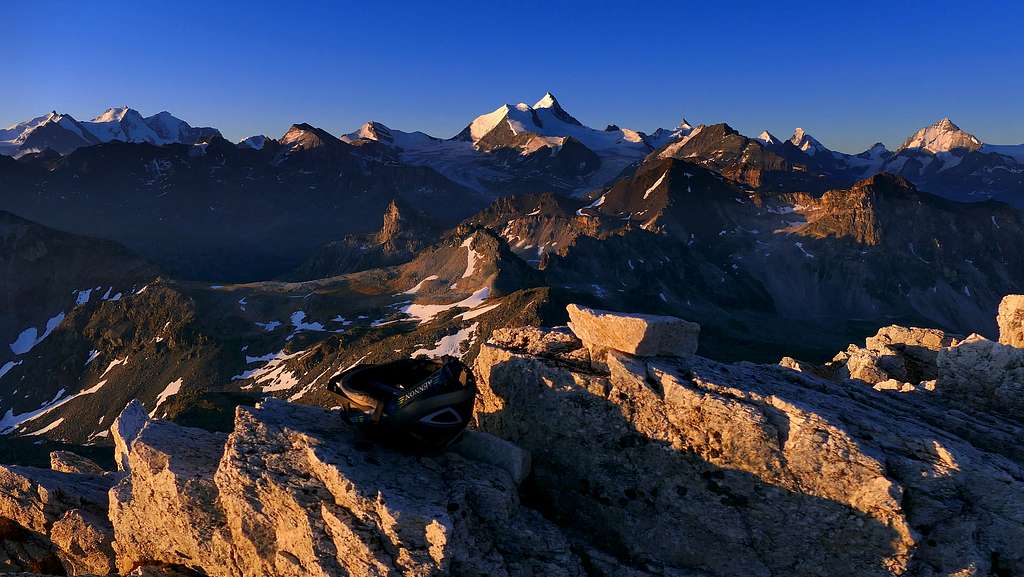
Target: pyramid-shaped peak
{"points": [[547, 101], [942, 136], [373, 130], [550, 103], [304, 135], [806, 142]]}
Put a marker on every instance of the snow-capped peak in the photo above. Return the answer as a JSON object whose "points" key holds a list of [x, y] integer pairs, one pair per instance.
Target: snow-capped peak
{"points": [[806, 142], [548, 106], [942, 136], [114, 114], [20, 129], [168, 127], [485, 123], [124, 124], [371, 131], [254, 142], [768, 138], [547, 101]]}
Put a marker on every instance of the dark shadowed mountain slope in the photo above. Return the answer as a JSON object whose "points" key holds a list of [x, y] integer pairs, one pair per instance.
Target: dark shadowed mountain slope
{"points": [[193, 351], [217, 211], [764, 269], [46, 272], [403, 232]]}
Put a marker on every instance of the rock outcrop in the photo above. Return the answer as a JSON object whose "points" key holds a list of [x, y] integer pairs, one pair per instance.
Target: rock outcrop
{"points": [[973, 372], [68, 462], [293, 490], [901, 457], [637, 334], [895, 353], [1011, 321], [687, 464], [55, 521]]}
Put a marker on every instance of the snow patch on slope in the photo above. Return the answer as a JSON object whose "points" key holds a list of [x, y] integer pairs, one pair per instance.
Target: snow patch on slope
{"points": [[451, 344]]}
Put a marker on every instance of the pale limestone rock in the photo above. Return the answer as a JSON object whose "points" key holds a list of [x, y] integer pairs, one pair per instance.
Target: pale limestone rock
{"points": [[894, 352], [301, 498], [36, 498], [894, 385], [165, 510], [68, 462], [642, 335], [23, 550], [863, 365], [983, 375], [67, 510], [83, 540], [1011, 321], [740, 469], [791, 363], [292, 492]]}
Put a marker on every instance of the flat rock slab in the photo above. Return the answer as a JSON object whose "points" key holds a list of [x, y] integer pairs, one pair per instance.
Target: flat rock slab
{"points": [[68, 462], [636, 334]]}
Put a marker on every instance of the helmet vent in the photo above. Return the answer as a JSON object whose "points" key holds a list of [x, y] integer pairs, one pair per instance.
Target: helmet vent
{"points": [[445, 417]]}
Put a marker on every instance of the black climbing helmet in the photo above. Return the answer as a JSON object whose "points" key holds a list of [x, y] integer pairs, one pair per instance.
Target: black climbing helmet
{"points": [[418, 404]]}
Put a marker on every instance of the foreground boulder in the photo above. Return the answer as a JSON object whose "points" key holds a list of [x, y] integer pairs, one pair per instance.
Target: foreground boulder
{"points": [[1011, 321], [637, 334], [689, 465], [55, 521], [292, 491]]}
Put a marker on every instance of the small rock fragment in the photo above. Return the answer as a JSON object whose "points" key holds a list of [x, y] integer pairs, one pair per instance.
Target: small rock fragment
{"points": [[68, 462]]}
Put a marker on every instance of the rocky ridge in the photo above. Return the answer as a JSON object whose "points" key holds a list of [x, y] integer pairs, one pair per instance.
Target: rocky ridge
{"points": [[586, 460]]}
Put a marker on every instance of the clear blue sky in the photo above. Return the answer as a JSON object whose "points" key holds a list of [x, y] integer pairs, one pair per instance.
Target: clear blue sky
{"points": [[851, 73]]}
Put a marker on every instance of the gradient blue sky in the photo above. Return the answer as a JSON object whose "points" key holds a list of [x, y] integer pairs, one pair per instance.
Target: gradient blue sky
{"points": [[851, 73]]}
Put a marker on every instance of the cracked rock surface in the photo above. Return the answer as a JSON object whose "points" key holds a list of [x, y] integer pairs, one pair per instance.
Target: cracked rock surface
{"points": [[687, 464]]}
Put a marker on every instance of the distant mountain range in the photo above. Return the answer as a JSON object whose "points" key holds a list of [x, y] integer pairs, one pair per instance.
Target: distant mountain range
{"points": [[63, 134], [522, 148]]}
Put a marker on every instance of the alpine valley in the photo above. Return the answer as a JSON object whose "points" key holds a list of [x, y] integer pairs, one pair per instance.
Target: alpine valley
{"points": [[144, 259]]}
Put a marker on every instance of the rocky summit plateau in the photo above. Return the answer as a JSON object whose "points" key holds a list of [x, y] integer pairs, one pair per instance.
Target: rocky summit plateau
{"points": [[696, 353], [900, 457]]}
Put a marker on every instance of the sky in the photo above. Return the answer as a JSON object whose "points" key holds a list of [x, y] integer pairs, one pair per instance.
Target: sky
{"points": [[850, 73]]}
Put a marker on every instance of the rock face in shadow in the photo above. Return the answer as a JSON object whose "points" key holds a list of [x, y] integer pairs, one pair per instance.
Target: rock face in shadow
{"points": [[728, 469]]}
